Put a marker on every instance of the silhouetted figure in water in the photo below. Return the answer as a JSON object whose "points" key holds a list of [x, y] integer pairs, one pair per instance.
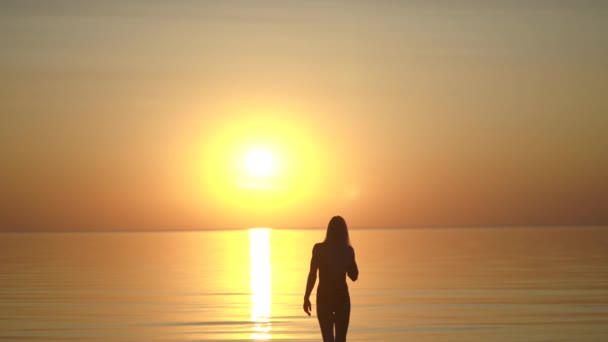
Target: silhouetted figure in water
{"points": [[334, 258]]}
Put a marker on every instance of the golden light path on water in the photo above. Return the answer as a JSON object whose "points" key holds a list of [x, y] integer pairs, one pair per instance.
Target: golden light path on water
{"points": [[260, 282]]}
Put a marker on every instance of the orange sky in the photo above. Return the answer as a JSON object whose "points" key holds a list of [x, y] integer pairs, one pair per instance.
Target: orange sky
{"points": [[136, 115]]}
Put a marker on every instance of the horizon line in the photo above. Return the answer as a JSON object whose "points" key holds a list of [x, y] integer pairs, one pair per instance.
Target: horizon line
{"points": [[185, 230]]}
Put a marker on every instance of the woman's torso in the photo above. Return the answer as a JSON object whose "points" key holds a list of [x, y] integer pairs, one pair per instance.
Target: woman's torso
{"points": [[333, 262]]}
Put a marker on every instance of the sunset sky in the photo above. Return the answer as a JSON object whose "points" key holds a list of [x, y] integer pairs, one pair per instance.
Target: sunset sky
{"points": [[234, 114]]}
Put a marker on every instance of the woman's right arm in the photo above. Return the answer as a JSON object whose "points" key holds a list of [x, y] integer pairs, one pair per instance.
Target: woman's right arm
{"points": [[312, 279]]}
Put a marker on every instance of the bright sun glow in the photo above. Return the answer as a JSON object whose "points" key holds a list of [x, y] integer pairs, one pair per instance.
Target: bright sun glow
{"points": [[259, 162], [260, 282]]}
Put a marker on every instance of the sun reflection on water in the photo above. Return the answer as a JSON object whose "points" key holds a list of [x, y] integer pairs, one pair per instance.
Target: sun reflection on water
{"points": [[261, 291]]}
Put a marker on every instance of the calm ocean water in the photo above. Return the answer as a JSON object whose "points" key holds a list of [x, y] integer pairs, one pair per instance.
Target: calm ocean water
{"points": [[506, 284]]}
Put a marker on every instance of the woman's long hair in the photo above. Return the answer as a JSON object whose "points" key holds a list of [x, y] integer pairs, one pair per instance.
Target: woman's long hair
{"points": [[337, 232]]}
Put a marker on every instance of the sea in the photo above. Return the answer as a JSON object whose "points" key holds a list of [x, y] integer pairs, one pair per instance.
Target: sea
{"points": [[500, 284]]}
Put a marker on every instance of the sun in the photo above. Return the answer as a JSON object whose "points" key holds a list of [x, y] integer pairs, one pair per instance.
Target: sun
{"points": [[259, 162], [255, 165]]}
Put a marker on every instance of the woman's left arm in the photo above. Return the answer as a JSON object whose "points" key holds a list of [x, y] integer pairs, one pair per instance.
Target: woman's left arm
{"points": [[353, 270]]}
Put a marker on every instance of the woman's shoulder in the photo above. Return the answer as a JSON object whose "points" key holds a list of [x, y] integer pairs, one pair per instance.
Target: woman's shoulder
{"points": [[317, 247], [350, 250]]}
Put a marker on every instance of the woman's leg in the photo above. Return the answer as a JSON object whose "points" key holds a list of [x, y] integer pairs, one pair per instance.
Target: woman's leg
{"points": [[342, 319], [325, 316]]}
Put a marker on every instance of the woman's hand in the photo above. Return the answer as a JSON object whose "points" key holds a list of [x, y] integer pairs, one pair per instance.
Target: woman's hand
{"points": [[307, 306]]}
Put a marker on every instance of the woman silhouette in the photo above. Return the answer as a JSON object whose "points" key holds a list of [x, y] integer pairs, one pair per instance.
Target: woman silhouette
{"points": [[334, 258]]}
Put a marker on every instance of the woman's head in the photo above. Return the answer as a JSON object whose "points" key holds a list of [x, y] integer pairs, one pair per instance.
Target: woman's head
{"points": [[337, 231]]}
